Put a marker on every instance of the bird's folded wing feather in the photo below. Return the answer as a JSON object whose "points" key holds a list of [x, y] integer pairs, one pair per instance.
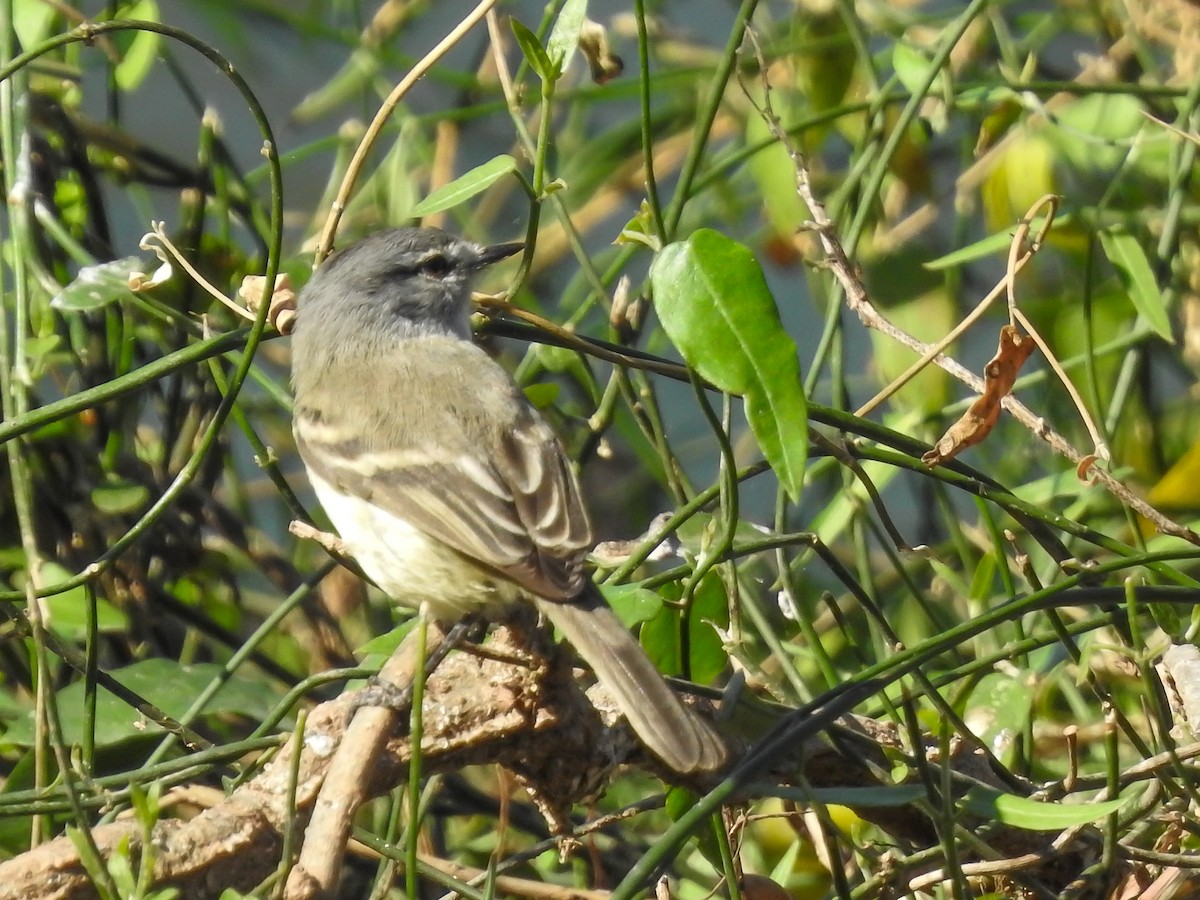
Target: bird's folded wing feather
{"points": [[513, 507]]}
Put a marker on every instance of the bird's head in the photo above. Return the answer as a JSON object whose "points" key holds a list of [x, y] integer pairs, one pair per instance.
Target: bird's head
{"points": [[404, 282]]}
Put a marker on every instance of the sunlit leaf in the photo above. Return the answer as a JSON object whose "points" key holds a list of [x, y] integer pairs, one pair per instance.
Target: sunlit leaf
{"points": [[912, 67], [774, 173], [1036, 815], [564, 36], [1125, 252], [1179, 487], [1094, 132], [994, 244], [98, 285], [534, 52], [142, 51], [1021, 174], [714, 303], [928, 318], [32, 21], [466, 186], [998, 710]]}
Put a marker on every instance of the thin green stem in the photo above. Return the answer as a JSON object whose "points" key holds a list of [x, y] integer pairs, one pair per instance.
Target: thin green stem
{"points": [[706, 115], [639, 14], [415, 732]]}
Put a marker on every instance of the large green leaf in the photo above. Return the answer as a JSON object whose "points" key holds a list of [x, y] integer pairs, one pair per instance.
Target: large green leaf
{"points": [[167, 684], [632, 603], [66, 612], [141, 51], [714, 303], [664, 639]]}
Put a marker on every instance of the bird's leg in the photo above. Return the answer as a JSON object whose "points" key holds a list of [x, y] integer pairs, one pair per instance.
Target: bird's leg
{"points": [[517, 641]]}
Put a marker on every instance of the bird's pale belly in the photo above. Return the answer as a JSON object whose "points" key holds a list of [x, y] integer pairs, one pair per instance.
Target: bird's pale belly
{"points": [[408, 565]]}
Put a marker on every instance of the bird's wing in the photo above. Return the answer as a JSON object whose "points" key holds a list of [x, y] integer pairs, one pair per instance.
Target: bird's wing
{"points": [[512, 506]]}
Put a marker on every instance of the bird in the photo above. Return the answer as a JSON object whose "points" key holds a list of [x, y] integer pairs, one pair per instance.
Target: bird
{"points": [[448, 488]]}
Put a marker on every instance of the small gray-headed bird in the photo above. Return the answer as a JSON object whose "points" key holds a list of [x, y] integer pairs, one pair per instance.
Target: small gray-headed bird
{"points": [[449, 489]]}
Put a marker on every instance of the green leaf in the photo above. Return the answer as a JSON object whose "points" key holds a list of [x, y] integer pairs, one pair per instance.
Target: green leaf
{"points": [[38, 349], [344, 88], [1035, 815], [564, 37], [998, 710], [466, 186], [881, 797], [66, 612], [542, 395], [1125, 252], [679, 802], [97, 286], [120, 497], [992, 245], [632, 603], [664, 639], [164, 682], [33, 21], [912, 67], [534, 52], [774, 173], [141, 52], [927, 317], [708, 657], [713, 301], [988, 246], [380, 647]]}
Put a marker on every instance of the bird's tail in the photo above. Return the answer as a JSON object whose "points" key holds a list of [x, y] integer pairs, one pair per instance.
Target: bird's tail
{"points": [[675, 734]]}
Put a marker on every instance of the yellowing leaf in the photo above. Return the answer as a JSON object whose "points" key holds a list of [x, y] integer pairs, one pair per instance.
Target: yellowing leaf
{"points": [[1179, 488]]}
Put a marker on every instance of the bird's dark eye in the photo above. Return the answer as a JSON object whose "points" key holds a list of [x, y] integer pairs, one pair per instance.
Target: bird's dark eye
{"points": [[436, 266]]}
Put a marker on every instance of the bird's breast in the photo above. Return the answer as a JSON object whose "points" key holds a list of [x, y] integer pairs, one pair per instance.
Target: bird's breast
{"points": [[409, 566]]}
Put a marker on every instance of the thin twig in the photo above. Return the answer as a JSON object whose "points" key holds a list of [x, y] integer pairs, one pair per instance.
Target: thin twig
{"points": [[1020, 253], [398, 93], [165, 247]]}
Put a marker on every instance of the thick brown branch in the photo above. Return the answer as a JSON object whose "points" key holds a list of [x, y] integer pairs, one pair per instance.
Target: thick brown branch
{"points": [[536, 721]]}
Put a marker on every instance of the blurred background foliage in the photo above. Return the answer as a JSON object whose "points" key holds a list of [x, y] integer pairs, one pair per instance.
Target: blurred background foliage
{"points": [[147, 486]]}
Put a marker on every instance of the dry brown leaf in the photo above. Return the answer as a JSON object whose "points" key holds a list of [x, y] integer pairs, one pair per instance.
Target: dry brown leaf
{"points": [[1083, 471], [998, 376]]}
